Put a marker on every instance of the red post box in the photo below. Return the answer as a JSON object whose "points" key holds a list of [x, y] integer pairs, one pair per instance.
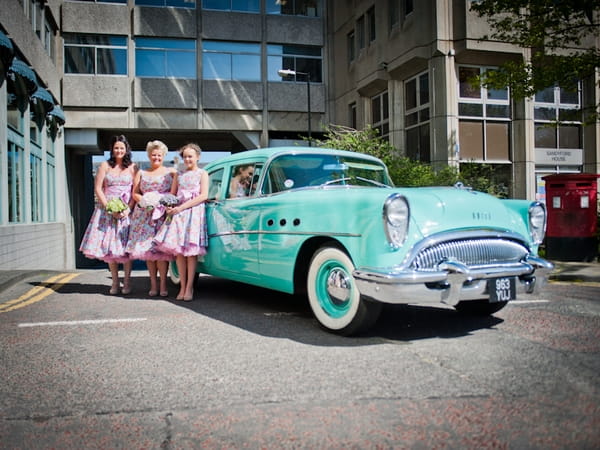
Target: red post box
{"points": [[572, 217]]}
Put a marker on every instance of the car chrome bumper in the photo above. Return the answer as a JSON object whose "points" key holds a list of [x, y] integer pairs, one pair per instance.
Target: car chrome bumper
{"points": [[451, 283]]}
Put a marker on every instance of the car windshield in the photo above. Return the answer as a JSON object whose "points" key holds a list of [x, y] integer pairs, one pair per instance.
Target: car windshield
{"points": [[298, 171]]}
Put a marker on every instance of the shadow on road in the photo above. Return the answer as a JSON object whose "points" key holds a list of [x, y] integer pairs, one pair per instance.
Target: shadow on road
{"points": [[276, 314]]}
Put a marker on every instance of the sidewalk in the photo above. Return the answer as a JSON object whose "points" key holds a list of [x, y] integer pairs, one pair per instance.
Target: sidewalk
{"points": [[563, 271]]}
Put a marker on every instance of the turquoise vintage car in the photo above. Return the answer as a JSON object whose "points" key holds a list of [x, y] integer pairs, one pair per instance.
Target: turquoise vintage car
{"points": [[329, 224]]}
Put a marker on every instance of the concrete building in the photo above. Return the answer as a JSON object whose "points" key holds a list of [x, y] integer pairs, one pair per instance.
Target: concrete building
{"points": [[208, 71]]}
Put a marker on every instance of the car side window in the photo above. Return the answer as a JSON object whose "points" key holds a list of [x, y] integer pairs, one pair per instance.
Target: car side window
{"points": [[215, 181], [244, 180]]}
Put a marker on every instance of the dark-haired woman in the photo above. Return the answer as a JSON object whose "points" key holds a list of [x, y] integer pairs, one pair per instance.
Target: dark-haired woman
{"points": [[107, 233]]}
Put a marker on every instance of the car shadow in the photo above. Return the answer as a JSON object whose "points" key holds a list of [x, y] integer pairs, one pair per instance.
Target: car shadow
{"points": [[275, 314]]}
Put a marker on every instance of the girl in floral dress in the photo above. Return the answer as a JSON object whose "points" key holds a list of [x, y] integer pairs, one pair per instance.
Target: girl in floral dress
{"points": [[106, 235], [184, 232], [148, 187]]}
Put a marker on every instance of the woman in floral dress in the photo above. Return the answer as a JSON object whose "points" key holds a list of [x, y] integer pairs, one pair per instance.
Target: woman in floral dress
{"points": [[148, 187], [106, 235], [184, 232]]}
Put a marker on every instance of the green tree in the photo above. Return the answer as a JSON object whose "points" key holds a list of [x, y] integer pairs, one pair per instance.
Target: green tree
{"points": [[403, 171], [561, 36]]}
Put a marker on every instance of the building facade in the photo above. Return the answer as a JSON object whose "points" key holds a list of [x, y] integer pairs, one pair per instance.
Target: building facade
{"points": [[404, 67], [209, 71]]}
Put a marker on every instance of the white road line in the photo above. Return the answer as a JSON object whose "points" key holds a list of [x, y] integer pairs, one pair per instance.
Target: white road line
{"points": [[523, 302], [79, 322]]}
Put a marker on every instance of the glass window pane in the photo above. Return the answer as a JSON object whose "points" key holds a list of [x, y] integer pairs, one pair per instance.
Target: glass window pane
{"points": [[497, 94], [569, 97], [470, 140], [545, 96], [424, 89], [411, 94], [79, 60], [412, 119], [467, 90], [112, 61], [217, 4], [181, 64], [569, 115], [150, 63], [497, 111], [424, 115], [216, 66], [150, 2], [569, 136], [376, 109], [545, 136], [497, 141], [246, 5], [540, 113], [424, 153], [470, 109], [246, 67]]}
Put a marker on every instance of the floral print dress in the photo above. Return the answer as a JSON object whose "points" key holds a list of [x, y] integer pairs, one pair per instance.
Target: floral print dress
{"points": [[185, 233], [145, 222], [106, 237]]}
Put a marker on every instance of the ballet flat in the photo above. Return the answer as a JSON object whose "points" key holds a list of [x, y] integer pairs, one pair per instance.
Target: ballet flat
{"points": [[164, 293], [126, 290], [152, 293], [113, 291]]}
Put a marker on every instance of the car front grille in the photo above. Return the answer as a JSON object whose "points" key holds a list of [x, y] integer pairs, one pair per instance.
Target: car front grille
{"points": [[472, 252]]}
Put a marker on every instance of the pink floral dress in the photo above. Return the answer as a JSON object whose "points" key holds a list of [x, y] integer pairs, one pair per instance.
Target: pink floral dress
{"points": [[185, 233], [143, 225], [106, 237]]}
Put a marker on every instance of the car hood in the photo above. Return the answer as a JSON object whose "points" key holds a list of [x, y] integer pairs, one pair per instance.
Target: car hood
{"points": [[438, 209]]}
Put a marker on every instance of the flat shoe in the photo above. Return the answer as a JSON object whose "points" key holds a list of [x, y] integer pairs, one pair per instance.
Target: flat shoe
{"points": [[126, 290], [164, 293], [152, 293], [187, 298], [114, 291]]}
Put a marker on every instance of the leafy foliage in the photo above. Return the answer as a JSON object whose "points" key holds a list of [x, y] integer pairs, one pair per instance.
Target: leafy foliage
{"points": [[560, 34]]}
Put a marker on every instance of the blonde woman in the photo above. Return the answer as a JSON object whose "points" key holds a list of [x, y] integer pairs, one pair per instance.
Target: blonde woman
{"points": [[148, 215]]}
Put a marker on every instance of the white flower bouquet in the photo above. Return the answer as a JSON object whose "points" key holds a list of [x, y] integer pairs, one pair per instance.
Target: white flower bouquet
{"points": [[150, 200], [169, 200]]}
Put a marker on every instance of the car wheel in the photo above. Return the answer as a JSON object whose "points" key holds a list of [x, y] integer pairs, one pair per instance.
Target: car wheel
{"points": [[174, 273], [333, 295], [479, 307]]}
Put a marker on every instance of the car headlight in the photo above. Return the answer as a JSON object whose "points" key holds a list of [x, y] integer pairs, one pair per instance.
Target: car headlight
{"points": [[537, 222], [396, 216]]}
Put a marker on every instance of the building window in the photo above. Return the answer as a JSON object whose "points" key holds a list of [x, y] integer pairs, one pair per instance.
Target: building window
{"points": [[360, 29], [50, 180], [252, 6], [16, 164], [172, 3], [231, 61], [557, 114], [102, 1], [353, 115], [394, 13], [298, 58], [484, 119], [416, 118], [380, 113], [95, 54], [371, 24], [351, 47], [165, 58], [35, 182], [309, 8], [49, 39]]}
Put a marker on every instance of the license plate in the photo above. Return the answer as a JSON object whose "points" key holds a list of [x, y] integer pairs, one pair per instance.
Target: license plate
{"points": [[502, 289]]}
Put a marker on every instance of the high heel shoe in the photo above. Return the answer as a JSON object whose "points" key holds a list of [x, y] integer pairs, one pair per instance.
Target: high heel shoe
{"points": [[188, 298]]}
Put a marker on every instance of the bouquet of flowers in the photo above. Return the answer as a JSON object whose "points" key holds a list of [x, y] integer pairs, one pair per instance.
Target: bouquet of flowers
{"points": [[169, 200], [115, 205], [150, 200]]}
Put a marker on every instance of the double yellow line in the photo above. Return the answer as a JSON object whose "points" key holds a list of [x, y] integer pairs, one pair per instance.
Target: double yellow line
{"points": [[38, 293]]}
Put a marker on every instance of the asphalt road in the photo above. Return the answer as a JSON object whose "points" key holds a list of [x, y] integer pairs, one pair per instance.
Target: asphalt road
{"points": [[243, 367]]}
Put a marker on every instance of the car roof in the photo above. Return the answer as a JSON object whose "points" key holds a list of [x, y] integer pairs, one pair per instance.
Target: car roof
{"points": [[269, 152]]}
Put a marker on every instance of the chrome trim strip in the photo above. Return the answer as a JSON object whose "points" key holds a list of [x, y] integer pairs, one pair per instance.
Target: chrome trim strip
{"points": [[297, 233]]}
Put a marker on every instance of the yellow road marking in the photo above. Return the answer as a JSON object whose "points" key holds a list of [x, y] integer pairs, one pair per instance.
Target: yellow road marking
{"points": [[38, 293]]}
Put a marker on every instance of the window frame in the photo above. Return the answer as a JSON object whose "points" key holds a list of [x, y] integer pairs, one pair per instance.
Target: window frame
{"points": [[165, 53], [232, 54], [95, 47]]}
